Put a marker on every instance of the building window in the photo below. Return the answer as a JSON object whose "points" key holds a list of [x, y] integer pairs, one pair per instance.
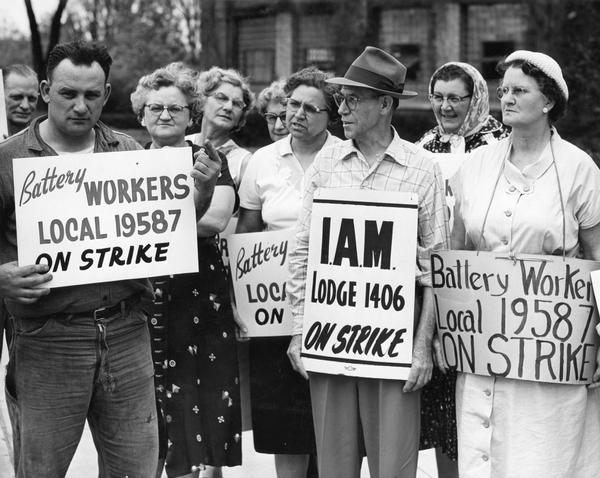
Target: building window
{"points": [[493, 53], [322, 58], [410, 56], [259, 65]]}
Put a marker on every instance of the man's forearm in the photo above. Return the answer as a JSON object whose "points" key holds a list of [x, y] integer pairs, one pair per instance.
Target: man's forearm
{"points": [[426, 325]]}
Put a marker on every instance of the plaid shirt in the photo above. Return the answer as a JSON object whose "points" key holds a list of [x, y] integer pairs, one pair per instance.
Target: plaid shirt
{"points": [[404, 167]]}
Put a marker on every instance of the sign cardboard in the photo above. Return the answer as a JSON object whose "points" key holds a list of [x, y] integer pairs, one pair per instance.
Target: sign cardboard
{"points": [[359, 305], [449, 164], [259, 271], [107, 216], [529, 318]]}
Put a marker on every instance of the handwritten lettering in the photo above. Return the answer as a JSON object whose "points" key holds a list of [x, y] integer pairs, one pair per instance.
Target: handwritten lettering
{"points": [[260, 255], [51, 181]]}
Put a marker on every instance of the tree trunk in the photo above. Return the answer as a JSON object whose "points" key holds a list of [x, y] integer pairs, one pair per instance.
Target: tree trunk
{"points": [[39, 58], [55, 28], [36, 42]]}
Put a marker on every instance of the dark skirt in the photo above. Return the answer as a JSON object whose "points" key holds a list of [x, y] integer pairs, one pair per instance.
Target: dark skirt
{"points": [[280, 400], [438, 414]]}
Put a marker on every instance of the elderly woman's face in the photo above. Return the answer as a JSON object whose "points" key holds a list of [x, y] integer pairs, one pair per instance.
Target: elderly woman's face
{"points": [[275, 117], [166, 116], [522, 101], [224, 107], [303, 120], [450, 101]]}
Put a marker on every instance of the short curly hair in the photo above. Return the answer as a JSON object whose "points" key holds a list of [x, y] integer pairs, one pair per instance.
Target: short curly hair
{"points": [[272, 93], [312, 76], [174, 74], [79, 52], [208, 81], [547, 86]]}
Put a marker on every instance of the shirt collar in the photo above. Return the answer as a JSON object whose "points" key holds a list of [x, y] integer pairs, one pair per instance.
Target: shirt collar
{"points": [[532, 172], [285, 144], [396, 150], [104, 137]]}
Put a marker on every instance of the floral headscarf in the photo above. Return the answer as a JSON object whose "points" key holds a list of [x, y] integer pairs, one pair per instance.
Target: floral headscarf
{"points": [[479, 108]]}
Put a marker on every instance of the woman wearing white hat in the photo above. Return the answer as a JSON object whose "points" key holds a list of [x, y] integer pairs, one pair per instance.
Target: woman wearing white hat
{"points": [[531, 193]]}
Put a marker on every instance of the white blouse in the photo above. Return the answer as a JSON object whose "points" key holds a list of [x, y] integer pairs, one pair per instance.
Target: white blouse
{"points": [[273, 183], [515, 428]]}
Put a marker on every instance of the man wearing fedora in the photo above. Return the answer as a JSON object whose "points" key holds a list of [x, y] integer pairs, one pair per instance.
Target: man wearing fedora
{"points": [[357, 415]]}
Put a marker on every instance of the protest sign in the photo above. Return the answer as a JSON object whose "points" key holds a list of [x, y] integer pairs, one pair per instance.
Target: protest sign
{"points": [[3, 119], [107, 216], [359, 305], [531, 317], [259, 270], [224, 241], [449, 164]]}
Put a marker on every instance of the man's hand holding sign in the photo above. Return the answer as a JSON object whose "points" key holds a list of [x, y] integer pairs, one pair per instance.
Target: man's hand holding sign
{"points": [[89, 226], [359, 309]]}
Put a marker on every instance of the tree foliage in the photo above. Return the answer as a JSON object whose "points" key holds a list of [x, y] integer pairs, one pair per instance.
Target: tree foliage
{"points": [[569, 31], [141, 35]]}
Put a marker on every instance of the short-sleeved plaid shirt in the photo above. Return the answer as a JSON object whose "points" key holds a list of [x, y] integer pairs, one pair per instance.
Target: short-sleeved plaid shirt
{"points": [[404, 167]]}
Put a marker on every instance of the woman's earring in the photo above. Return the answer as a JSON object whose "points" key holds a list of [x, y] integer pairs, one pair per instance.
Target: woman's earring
{"points": [[544, 110]]}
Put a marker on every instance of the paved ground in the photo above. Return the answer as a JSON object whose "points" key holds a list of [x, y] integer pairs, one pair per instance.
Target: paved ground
{"points": [[84, 465]]}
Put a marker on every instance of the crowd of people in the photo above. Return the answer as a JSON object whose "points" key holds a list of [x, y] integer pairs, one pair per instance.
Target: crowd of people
{"points": [[152, 363]]}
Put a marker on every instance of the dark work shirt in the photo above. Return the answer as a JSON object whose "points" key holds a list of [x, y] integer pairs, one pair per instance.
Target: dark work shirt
{"points": [[73, 299]]}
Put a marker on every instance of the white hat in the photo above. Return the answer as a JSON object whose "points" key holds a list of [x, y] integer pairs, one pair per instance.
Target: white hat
{"points": [[545, 63]]}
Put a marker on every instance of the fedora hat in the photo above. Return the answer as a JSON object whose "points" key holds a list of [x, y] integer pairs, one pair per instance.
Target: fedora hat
{"points": [[376, 70]]}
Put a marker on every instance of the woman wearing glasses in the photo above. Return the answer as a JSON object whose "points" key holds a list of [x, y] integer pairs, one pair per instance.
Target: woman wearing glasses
{"points": [[193, 331], [270, 104], [270, 199], [460, 101], [226, 99], [530, 193]]}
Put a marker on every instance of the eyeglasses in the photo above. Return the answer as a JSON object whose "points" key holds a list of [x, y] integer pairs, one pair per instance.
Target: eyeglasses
{"points": [[309, 109], [516, 91], [350, 100], [453, 100], [224, 99], [173, 110], [272, 117]]}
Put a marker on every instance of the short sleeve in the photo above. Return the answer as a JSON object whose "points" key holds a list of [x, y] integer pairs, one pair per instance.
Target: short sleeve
{"points": [[587, 193]]}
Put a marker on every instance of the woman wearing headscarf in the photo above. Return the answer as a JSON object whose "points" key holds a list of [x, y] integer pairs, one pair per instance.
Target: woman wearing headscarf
{"points": [[460, 102], [225, 100], [530, 193], [191, 320]]}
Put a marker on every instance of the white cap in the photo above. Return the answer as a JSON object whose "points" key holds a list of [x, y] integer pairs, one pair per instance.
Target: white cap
{"points": [[545, 63]]}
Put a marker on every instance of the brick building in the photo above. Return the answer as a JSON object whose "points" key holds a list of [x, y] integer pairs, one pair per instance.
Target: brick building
{"points": [[269, 39]]}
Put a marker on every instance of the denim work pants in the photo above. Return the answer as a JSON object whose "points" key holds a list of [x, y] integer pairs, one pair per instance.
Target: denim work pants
{"points": [[64, 371]]}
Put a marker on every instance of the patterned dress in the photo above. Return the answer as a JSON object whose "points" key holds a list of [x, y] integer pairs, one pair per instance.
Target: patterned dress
{"points": [[196, 365], [438, 142]]}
